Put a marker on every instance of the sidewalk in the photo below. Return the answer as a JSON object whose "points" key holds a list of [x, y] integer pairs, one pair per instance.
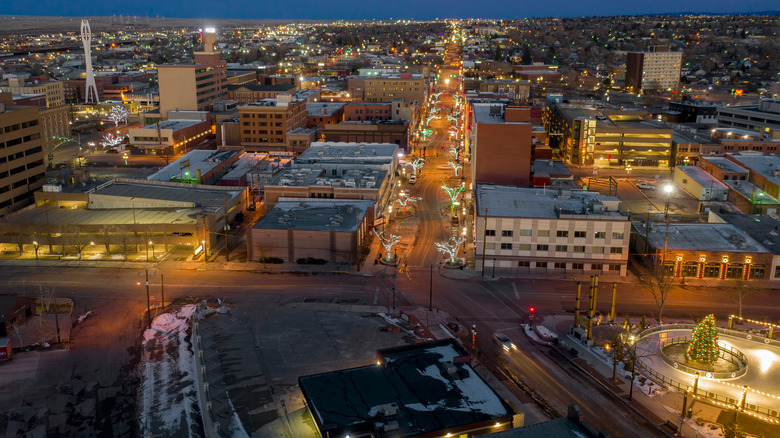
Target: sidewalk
{"points": [[657, 404]]}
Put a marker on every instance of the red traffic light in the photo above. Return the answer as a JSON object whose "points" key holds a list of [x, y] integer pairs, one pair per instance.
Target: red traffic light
{"points": [[532, 309]]}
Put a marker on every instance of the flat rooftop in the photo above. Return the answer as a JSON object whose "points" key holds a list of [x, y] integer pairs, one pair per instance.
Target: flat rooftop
{"points": [[422, 389], [323, 108], [116, 216], [263, 87], [314, 216], [551, 167], [701, 177], [353, 178], [726, 165], [699, 237], [766, 165], [510, 201], [190, 163], [343, 151], [750, 191], [174, 124], [492, 113], [131, 193], [763, 229]]}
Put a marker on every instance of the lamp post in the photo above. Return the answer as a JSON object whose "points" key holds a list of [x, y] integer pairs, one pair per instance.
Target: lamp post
{"points": [[152, 245], [35, 247], [668, 189], [632, 342]]}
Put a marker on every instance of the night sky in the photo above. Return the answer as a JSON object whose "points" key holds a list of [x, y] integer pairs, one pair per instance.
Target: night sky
{"points": [[376, 9]]}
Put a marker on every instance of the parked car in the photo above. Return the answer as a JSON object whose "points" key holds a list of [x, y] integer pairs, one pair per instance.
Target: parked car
{"points": [[455, 220], [646, 186], [412, 179], [502, 340]]}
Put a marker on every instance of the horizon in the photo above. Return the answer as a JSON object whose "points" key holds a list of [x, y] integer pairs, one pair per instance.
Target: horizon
{"points": [[361, 10]]}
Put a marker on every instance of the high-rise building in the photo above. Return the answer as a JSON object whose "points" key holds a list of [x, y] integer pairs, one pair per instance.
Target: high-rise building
{"points": [[22, 169], [657, 69], [193, 87], [53, 90]]}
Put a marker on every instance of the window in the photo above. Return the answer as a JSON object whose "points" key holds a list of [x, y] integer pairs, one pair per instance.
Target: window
{"points": [[577, 266], [617, 235], [777, 271], [541, 265], [690, 269], [735, 271], [543, 233], [614, 267], [523, 264], [506, 233], [506, 246], [757, 272], [560, 233], [598, 250], [712, 270], [542, 247], [490, 232], [579, 234], [561, 248], [490, 246], [616, 250], [601, 235], [524, 246], [560, 265], [596, 267], [525, 232], [578, 248]]}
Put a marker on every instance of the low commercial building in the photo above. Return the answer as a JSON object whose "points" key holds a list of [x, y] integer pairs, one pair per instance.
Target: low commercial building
{"points": [[708, 251], [389, 131], [724, 169], [750, 199], [314, 183], [320, 229], [762, 228], [170, 137], [336, 158], [415, 391], [299, 139], [123, 215], [521, 230], [764, 170], [198, 167], [367, 111], [318, 114], [700, 184], [549, 172], [248, 93], [14, 311], [515, 90]]}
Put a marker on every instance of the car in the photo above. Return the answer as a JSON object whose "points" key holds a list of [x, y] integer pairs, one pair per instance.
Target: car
{"points": [[645, 186], [412, 179], [502, 340], [454, 220]]}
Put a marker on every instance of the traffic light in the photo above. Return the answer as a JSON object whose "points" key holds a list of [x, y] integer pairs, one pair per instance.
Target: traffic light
{"points": [[531, 312]]}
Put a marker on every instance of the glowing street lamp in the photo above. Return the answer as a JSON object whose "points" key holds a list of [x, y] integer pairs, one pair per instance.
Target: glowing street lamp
{"points": [[35, 246]]}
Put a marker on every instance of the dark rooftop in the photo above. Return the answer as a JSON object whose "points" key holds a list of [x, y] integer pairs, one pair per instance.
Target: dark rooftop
{"points": [[414, 390]]}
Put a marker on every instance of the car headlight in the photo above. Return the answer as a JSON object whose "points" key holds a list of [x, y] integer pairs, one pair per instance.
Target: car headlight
{"points": [[514, 347], [506, 348]]}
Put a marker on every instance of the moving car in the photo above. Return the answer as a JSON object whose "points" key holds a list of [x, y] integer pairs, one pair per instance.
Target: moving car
{"points": [[502, 340], [646, 186], [412, 179]]}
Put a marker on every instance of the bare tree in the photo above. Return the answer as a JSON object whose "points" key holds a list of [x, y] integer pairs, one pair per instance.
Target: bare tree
{"points": [[739, 292], [658, 281], [450, 247], [15, 327], [620, 350], [49, 304], [118, 114]]}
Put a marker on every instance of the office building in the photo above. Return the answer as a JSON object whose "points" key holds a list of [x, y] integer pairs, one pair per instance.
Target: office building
{"points": [[53, 90], [265, 124], [388, 131], [318, 114], [248, 93], [193, 87], [763, 118], [387, 88], [22, 168], [500, 142], [537, 230], [171, 137], [657, 69]]}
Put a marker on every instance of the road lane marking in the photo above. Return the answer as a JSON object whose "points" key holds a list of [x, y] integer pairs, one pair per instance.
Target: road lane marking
{"points": [[517, 294]]}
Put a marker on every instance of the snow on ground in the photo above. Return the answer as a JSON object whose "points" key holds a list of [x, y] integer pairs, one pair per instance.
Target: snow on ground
{"points": [[545, 333], [168, 395], [83, 317]]}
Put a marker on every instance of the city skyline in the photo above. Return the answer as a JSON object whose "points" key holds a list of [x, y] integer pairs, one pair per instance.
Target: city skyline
{"points": [[405, 9]]}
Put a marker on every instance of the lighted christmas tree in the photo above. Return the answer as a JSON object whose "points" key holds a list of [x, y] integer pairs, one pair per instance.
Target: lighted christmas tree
{"points": [[703, 346]]}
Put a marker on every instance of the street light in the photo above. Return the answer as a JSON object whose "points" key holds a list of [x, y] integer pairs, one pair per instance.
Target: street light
{"points": [[632, 342], [668, 189], [35, 246]]}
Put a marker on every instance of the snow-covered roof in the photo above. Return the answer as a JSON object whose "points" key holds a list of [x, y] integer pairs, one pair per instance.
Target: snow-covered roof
{"points": [[420, 389]]}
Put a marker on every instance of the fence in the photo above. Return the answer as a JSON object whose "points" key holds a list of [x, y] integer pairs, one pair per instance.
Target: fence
{"points": [[764, 413], [730, 354]]}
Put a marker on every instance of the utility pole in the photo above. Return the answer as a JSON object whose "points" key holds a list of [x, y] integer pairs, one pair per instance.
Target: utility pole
{"points": [[430, 291], [577, 306], [612, 312], [148, 306], [162, 291], [484, 239]]}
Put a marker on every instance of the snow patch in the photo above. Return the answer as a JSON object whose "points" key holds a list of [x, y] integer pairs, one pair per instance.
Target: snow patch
{"points": [[83, 317], [167, 393]]}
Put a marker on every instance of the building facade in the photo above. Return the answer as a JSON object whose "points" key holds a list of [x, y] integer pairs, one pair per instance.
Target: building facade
{"points": [[656, 69], [396, 132], [500, 144], [22, 168], [521, 230], [405, 86], [265, 124]]}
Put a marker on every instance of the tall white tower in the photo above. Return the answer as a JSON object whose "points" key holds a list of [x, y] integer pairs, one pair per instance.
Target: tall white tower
{"points": [[86, 38]]}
